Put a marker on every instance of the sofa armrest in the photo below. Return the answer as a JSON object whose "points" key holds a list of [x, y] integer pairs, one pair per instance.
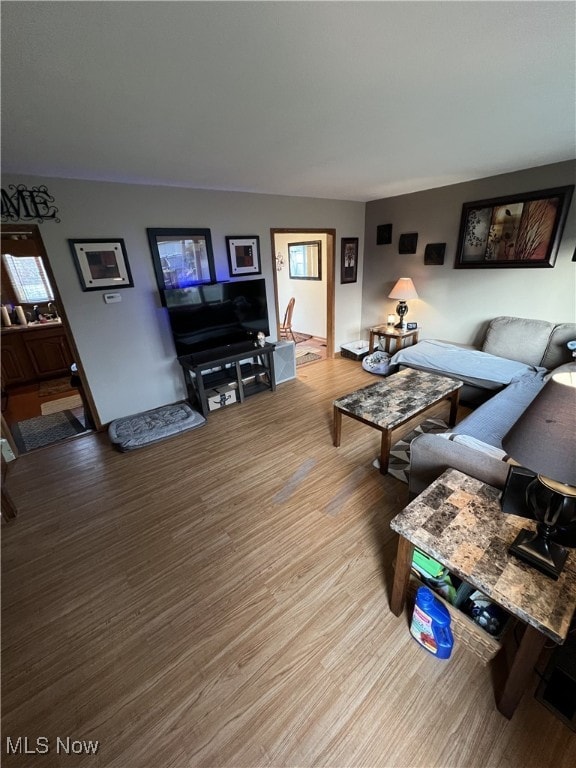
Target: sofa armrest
{"points": [[431, 455]]}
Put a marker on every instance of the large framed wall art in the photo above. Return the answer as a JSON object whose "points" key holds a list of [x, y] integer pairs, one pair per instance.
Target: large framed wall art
{"points": [[515, 231]]}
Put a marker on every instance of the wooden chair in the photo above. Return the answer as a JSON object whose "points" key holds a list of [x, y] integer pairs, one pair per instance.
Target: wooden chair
{"points": [[286, 327]]}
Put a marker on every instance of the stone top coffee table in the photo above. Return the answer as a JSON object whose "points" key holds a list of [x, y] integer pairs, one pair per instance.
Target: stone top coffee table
{"points": [[394, 401], [458, 521]]}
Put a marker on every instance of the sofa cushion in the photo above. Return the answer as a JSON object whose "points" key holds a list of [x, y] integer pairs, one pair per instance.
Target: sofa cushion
{"points": [[492, 420], [469, 365], [517, 338]]}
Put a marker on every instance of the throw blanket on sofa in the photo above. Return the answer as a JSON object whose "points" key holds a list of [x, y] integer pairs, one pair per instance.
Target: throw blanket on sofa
{"points": [[470, 364], [494, 419]]}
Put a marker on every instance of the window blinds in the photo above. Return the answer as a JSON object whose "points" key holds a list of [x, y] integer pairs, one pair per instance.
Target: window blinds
{"points": [[29, 278]]}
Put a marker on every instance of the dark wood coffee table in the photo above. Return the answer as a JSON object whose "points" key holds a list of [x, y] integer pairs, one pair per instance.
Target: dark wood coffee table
{"points": [[394, 401]]}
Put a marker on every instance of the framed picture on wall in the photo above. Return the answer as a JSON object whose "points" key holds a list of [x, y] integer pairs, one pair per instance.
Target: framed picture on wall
{"points": [[243, 255], [101, 263], [514, 231], [384, 234], [434, 253], [349, 260], [182, 258]]}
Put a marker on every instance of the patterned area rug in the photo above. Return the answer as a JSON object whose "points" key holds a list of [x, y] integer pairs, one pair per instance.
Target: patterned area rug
{"points": [[44, 430], [309, 357], [304, 350], [301, 337], [399, 465]]}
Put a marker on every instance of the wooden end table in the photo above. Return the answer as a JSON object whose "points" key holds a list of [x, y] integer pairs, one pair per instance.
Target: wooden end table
{"points": [[390, 334], [394, 401], [458, 521]]}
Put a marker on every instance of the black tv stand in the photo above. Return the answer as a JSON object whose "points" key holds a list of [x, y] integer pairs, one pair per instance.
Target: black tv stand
{"points": [[219, 353], [250, 371]]}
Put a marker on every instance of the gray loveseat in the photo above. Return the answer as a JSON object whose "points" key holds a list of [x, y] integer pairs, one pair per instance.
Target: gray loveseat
{"points": [[517, 357]]}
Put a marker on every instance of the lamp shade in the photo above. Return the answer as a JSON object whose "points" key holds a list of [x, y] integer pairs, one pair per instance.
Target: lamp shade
{"points": [[543, 438], [403, 290]]}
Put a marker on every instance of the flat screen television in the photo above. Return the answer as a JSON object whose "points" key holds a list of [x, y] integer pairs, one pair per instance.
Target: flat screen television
{"points": [[217, 316]]}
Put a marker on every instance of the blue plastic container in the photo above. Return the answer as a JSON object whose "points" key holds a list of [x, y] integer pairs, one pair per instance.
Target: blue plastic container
{"points": [[431, 624]]}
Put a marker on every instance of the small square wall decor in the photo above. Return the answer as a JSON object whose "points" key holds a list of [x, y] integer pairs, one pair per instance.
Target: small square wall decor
{"points": [[434, 253], [408, 242], [243, 255], [101, 263], [384, 234]]}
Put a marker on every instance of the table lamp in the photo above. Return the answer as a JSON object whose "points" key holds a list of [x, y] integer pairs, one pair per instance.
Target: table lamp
{"points": [[542, 440], [403, 291]]}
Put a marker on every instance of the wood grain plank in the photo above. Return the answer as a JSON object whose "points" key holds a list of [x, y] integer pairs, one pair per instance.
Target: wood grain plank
{"points": [[221, 599]]}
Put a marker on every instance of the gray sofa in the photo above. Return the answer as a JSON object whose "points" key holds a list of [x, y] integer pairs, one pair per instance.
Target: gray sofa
{"points": [[511, 347], [474, 446]]}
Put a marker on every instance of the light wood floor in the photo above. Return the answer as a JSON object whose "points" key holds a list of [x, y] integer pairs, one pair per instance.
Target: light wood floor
{"points": [[221, 599]]}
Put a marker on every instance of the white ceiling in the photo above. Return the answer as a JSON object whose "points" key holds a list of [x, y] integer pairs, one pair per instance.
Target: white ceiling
{"points": [[345, 100]]}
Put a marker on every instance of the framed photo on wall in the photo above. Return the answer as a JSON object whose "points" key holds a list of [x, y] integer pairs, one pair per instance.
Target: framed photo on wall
{"points": [[514, 231], [101, 263], [243, 255], [182, 258], [349, 260]]}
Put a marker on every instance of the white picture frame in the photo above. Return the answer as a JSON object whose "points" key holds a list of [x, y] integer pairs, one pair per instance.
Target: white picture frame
{"points": [[243, 255]]}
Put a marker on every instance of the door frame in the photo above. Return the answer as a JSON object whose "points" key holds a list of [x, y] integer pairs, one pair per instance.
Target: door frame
{"points": [[330, 272], [33, 231]]}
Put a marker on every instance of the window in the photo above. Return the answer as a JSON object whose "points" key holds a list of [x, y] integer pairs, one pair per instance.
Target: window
{"points": [[28, 278]]}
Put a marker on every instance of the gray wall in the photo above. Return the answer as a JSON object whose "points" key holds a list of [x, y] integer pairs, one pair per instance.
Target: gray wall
{"points": [[455, 304], [126, 348]]}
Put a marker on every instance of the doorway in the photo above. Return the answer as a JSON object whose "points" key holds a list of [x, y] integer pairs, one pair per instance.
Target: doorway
{"points": [[45, 398], [304, 261]]}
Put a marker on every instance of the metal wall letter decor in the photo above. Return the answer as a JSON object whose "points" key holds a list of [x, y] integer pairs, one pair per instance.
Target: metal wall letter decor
{"points": [[22, 203]]}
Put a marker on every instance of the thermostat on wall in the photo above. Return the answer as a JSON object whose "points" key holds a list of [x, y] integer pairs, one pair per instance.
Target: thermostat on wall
{"points": [[112, 298]]}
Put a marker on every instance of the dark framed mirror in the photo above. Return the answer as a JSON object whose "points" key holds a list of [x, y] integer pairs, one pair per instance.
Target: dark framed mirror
{"points": [[305, 260], [182, 257]]}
